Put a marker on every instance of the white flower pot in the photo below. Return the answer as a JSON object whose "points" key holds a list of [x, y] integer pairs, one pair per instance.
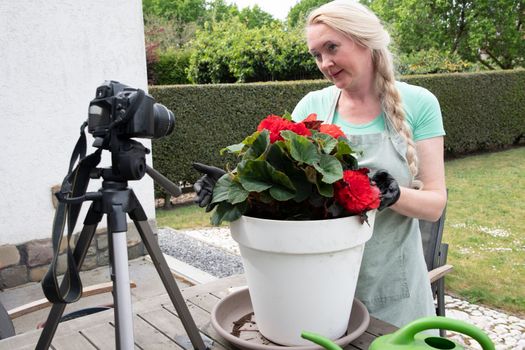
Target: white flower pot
{"points": [[302, 275]]}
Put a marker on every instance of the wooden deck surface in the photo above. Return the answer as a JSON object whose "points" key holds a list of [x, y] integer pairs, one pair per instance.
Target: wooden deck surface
{"points": [[156, 325]]}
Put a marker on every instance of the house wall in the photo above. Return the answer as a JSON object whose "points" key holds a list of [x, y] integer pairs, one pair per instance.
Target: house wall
{"points": [[53, 56]]}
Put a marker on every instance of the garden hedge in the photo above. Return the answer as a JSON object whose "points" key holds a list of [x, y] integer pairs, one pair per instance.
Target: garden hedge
{"points": [[481, 111]]}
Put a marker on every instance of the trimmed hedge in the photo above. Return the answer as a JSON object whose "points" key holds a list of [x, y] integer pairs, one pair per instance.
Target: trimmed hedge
{"points": [[481, 111]]}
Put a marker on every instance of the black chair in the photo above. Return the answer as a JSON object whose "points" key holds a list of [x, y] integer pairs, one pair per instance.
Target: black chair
{"points": [[436, 258]]}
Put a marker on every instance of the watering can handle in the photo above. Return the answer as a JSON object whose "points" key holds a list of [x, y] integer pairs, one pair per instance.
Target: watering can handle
{"points": [[406, 334]]}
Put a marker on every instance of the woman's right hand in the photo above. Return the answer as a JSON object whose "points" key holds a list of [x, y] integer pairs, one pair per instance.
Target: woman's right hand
{"points": [[204, 186]]}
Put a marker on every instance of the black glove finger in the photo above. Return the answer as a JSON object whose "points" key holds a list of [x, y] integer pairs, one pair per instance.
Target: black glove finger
{"points": [[198, 185], [210, 207], [212, 171], [206, 199]]}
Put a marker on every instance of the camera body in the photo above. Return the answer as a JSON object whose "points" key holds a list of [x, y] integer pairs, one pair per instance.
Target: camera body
{"points": [[128, 112], [118, 113]]}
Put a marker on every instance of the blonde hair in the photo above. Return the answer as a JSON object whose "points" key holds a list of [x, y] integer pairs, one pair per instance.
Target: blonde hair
{"points": [[357, 22]]}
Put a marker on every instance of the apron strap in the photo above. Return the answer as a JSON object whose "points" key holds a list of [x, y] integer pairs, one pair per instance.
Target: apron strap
{"points": [[330, 118]]}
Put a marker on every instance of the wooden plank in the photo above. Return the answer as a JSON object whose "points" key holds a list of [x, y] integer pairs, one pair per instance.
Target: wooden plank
{"points": [[202, 319], [21, 341], [148, 337], [43, 303], [101, 335], [166, 323], [361, 343], [76, 340], [378, 327]]}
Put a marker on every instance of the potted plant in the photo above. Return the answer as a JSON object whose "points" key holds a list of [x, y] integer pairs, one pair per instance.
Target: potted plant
{"points": [[301, 211]]}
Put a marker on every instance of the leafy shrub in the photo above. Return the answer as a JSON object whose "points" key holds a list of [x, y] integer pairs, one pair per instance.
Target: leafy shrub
{"points": [[433, 61], [171, 67], [230, 51]]}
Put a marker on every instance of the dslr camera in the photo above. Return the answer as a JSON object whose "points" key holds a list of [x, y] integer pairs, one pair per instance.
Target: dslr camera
{"points": [[118, 113], [128, 112]]}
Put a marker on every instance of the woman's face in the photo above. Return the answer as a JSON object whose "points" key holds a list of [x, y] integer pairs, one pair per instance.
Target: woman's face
{"points": [[343, 61]]}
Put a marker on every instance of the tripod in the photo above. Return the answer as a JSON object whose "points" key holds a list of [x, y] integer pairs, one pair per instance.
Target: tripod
{"points": [[116, 200]]}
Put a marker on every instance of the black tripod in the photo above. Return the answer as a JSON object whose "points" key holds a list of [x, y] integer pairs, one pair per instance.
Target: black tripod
{"points": [[116, 200]]}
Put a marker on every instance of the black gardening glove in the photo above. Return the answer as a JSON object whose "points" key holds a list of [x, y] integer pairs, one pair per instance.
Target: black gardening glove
{"points": [[389, 188], [204, 186]]}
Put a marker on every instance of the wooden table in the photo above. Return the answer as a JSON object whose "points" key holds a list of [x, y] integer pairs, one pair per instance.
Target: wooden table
{"points": [[156, 325]]}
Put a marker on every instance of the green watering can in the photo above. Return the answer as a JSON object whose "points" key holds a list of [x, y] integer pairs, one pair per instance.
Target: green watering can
{"points": [[407, 338]]}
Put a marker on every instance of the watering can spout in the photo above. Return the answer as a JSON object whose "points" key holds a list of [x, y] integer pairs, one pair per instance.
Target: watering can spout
{"points": [[320, 340]]}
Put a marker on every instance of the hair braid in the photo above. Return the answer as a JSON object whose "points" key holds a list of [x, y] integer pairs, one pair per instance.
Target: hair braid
{"points": [[393, 107]]}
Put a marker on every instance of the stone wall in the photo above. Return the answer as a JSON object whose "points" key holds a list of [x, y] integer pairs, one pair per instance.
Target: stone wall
{"points": [[29, 262]]}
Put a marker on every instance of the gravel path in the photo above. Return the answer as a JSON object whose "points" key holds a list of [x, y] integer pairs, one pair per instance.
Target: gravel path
{"points": [[212, 250]]}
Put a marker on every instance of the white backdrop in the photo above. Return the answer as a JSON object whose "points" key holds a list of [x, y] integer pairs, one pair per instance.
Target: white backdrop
{"points": [[53, 56]]}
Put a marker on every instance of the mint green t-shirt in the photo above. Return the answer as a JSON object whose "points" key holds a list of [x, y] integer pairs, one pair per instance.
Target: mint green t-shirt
{"points": [[421, 107]]}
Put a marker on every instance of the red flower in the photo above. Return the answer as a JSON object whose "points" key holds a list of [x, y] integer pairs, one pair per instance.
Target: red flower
{"points": [[332, 130], [275, 124], [311, 122], [312, 117], [355, 193]]}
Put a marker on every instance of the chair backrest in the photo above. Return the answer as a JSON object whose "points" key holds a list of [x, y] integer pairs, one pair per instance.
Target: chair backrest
{"points": [[6, 325], [432, 234]]}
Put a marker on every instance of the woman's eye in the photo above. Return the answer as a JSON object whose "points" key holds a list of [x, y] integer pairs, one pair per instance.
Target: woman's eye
{"points": [[332, 47], [317, 56]]}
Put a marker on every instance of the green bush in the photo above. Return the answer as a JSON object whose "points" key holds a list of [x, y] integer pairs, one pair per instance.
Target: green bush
{"points": [[171, 67], [433, 61], [481, 111], [230, 51]]}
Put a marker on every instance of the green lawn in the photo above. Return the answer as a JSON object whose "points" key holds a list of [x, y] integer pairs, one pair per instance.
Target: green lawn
{"points": [[485, 228]]}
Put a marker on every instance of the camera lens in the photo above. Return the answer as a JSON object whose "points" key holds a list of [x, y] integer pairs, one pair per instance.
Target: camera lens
{"points": [[164, 120]]}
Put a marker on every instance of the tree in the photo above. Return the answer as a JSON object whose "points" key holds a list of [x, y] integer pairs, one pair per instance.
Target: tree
{"points": [[490, 32], [299, 11]]}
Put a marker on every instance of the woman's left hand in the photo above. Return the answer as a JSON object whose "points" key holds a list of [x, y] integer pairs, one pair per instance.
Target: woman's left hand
{"points": [[389, 188]]}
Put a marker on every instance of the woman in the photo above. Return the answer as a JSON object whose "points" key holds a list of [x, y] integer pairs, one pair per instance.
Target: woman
{"points": [[399, 129]]}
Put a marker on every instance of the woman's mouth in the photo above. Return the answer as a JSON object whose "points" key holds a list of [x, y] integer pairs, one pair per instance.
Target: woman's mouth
{"points": [[335, 74]]}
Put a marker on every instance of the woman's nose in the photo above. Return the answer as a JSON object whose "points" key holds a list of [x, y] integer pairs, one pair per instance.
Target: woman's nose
{"points": [[327, 63]]}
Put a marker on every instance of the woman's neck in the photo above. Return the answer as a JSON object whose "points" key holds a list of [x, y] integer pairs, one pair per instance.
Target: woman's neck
{"points": [[358, 107]]}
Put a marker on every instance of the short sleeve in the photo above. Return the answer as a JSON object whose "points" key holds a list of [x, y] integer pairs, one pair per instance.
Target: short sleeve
{"points": [[423, 112]]}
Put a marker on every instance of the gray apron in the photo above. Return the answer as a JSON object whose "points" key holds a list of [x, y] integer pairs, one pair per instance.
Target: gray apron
{"points": [[393, 282]]}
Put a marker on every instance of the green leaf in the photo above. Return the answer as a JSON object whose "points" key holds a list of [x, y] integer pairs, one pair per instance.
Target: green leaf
{"points": [[330, 167], [281, 193], [327, 142], [237, 193], [259, 146], [301, 149], [235, 149], [287, 116], [259, 175], [227, 212], [343, 148], [221, 190], [326, 190]]}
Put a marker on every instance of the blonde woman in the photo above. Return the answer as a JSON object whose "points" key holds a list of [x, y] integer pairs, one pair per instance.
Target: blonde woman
{"points": [[400, 131]]}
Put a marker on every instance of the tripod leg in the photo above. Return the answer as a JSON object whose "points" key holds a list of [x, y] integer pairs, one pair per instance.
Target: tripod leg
{"points": [[81, 248], [122, 294], [139, 217]]}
